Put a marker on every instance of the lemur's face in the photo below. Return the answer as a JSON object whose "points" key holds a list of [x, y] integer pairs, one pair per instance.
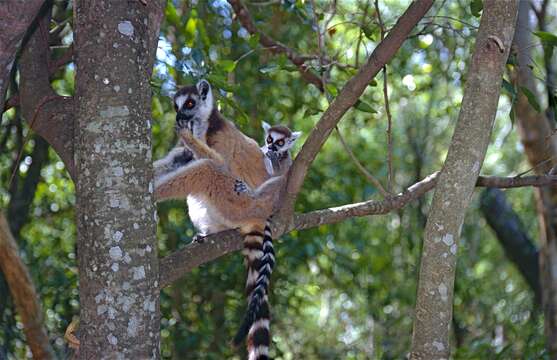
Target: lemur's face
{"points": [[193, 103], [279, 139]]}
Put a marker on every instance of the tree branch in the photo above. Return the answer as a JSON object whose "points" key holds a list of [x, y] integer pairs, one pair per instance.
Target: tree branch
{"points": [[16, 16], [347, 97], [457, 179], [243, 15], [177, 264], [512, 236], [23, 293], [50, 115]]}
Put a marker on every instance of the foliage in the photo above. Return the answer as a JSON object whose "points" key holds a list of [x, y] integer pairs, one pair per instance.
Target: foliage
{"points": [[345, 291]]}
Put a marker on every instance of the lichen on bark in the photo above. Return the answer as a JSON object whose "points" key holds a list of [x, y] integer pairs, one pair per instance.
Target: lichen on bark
{"points": [[117, 254]]}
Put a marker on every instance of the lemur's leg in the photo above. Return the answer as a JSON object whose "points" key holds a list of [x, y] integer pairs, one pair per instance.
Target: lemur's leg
{"points": [[215, 185], [200, 149]]}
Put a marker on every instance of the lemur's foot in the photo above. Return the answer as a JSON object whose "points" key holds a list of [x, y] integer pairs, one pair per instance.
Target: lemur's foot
{"points": [[240, 187], [73, 341], [198, 238]]}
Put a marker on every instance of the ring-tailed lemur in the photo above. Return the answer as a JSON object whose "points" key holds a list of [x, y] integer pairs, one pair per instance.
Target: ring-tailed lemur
{"points": [[210, 182], [222, 155], [260, 261]]}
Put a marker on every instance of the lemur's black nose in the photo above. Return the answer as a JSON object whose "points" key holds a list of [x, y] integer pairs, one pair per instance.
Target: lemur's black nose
{"points": [[273, 147], [182, 119]]}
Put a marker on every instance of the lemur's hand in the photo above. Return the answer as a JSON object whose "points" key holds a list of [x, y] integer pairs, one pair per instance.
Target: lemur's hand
{"points": [[187, 136], [274, 157]]}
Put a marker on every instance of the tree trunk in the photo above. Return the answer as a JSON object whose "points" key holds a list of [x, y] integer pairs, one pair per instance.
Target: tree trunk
{"points": [[116, 217], [535, 133], [433, 314]]}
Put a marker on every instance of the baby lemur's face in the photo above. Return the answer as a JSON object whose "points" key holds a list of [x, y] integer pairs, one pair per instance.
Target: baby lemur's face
{"points": [[278, 139], [193, 105]]}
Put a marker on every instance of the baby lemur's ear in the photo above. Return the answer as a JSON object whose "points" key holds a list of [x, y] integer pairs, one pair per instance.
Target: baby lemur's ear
{"points": [[295, 135], [265, 126], [203, 88]]}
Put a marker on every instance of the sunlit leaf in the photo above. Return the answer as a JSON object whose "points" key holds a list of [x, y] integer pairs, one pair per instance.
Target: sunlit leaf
{"points": [[365, 107], [547, 38], [226, 65], [189, 31]]}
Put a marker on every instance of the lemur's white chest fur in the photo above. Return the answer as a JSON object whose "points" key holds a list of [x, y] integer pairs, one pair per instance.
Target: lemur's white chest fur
{"points": [[205, 218]]}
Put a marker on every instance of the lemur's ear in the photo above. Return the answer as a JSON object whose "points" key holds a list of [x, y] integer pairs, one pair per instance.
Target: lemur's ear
{"points": [[295, 135], [203, 88], [265, 126]]}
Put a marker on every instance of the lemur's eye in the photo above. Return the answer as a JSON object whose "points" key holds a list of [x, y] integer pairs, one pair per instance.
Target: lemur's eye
{"points": [[190, 103], [280, 142], [269, 139]]}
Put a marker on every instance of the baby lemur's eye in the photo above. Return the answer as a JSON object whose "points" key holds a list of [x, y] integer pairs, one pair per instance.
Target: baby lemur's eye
{"points": [[280, 142], [269, 139], [190, 103]]}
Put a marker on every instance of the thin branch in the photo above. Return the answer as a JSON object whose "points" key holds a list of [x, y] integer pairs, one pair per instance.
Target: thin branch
{"points": [[360, 167], [387, 108], [24, 294], [177, 264], [347, 97], [276, 47]]}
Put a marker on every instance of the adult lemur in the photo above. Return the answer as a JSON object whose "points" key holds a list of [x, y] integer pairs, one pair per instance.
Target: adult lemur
{"points": [[227, 185]]}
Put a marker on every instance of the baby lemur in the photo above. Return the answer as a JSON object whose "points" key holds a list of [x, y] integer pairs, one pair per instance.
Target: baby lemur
{"points": [[228, 185]]}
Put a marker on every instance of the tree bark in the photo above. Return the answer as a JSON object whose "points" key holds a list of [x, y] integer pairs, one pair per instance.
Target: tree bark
{"points": [[115, 43], [512, 236], [17, 16], [433, 313], [23, 293], [535, 133]]}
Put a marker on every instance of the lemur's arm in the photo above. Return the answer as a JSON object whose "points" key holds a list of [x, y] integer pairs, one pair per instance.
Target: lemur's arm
{"points": [[199, 149], [177, 157]]}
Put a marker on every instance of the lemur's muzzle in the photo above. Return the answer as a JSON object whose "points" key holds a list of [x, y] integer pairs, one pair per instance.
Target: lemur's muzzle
{"points": [[183, 120]]}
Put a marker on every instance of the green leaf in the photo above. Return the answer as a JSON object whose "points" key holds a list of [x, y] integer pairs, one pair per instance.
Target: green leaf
{"points": [[171, 14], [203, 33], [253, 41], [368, 32], [226, 65], [220, 82], [271, 68], [546, 38], [228, 101], [373, 83], [509, 88], [331, 89], [189, 31], [365, 107], [531, 98], [476, 6], [311, 111]]}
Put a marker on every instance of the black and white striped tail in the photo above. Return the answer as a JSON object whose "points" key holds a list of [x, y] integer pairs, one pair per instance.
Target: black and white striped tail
{"points": [[260, 257]]}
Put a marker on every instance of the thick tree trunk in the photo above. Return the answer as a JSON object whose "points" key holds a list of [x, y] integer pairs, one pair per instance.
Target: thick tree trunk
{"points": [[535, 133], [432, 321], [23, 293], [117, 246]]}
